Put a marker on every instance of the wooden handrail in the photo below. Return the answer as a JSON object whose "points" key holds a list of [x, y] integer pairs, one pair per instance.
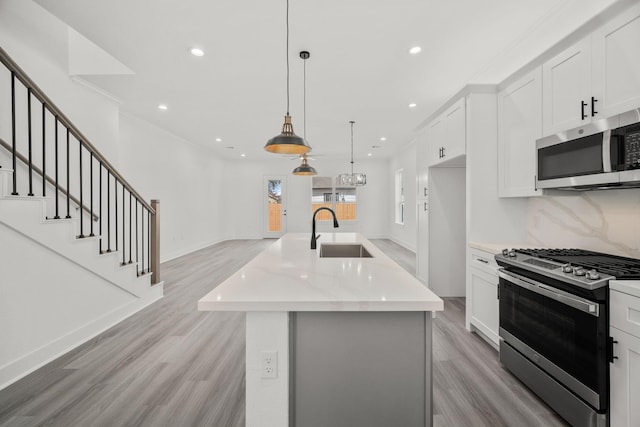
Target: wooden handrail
{"points": [[62, 118], [50, 180]]}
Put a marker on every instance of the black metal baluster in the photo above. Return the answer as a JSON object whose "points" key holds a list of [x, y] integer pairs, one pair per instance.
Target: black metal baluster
{"points": [[137, 259], [44, 151], [90, 195], [57, 216], [13, 132], [68, 181], [108, 211], [115, 211], [149, 241], [82, 236], [142, 238], [130, 229], [30, 143], [100, 205], [123, 227]]}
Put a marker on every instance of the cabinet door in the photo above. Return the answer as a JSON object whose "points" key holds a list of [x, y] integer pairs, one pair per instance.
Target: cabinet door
{"points": [[616, 64], [625, 380], [422, 166], [422, 255], [484, 303], [455, 131], [435, 141], [519, 125], [566, 89]]}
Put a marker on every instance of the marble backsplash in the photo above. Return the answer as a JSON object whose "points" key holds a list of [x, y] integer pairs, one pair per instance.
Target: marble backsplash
{"points": [[605, 221]]}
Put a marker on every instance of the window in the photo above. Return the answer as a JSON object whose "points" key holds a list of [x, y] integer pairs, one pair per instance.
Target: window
{"points": [[341, 199], [399, 198]]}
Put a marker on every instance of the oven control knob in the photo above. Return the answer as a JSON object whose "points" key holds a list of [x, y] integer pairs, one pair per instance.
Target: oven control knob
{"points": [[505, 252], [579, 271], [512, 253], [567, 268], [592, 275]]}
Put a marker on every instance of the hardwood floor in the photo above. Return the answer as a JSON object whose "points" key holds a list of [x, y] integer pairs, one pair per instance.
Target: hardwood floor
{"points": [[171, 365]]}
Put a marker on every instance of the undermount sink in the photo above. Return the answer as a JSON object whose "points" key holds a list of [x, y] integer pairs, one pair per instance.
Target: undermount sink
{"points": [[342, 250]]}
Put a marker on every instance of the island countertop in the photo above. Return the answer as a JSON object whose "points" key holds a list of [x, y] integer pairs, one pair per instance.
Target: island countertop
{"points": [[289, 276]]}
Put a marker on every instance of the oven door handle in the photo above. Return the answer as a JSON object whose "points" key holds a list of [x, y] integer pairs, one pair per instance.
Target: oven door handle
{"points": [[563, 297]]}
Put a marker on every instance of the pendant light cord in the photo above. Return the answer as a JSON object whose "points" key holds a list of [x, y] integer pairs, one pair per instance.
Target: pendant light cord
{"points": [[304, 98], [352, 123], [287, 57]]}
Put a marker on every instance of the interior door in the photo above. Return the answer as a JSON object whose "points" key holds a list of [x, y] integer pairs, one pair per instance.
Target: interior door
{"points": [[275, 212]]}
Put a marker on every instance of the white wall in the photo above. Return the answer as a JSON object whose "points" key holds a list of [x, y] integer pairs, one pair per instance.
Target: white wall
{"points": [[37, 42], [404, 234], [187, 179], [491, 219], [245, 198]]}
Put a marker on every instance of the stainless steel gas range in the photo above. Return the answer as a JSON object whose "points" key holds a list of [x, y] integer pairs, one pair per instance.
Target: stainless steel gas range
{"points": [[554, 326]]}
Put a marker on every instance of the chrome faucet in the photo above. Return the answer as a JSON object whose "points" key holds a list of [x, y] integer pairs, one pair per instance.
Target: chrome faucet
{"points": [[314, 238]]}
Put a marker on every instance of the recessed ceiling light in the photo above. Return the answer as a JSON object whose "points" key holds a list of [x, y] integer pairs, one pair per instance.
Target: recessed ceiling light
{"points": [[412, 105], [243, 155], [370, 154], [218, 139], [163, 107], [196, 51], [415, 50], [383, 139]]}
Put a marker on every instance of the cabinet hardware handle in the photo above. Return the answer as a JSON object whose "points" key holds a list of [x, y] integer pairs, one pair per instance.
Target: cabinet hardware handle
{"points": [[498, 291], [425, 191], [443, 152], [482, 260], [535, 184], [582, 114], [611, 355], [593, 106], [425, 206]]}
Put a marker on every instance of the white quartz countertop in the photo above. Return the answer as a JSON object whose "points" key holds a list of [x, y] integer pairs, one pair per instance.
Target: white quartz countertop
{"points": [[289, 276], [631, 287]]}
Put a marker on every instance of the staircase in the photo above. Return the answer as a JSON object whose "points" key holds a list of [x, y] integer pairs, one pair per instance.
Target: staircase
{"points": [[79, 247]]}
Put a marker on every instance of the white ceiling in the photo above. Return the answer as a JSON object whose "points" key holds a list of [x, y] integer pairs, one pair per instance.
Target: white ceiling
{"points": [[359, 68]]}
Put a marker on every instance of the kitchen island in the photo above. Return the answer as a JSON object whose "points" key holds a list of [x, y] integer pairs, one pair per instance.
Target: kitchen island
{"points": [[332, 341]]}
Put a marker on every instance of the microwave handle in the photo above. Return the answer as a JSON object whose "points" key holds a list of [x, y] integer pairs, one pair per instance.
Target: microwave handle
{"points": [[606, 151], [549, 292]]}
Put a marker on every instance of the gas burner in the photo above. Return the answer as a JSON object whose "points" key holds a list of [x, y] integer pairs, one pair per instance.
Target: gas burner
{"points": [[580, 259]]}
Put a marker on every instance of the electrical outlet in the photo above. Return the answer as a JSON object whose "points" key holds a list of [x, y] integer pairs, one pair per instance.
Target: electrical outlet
{"points": [[269, 364]]}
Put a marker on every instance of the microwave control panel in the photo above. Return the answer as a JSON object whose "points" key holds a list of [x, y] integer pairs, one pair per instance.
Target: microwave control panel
{"points": [[632, 150]]}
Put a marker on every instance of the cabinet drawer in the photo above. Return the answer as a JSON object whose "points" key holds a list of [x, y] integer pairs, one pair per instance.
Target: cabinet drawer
{"points": [[625, 312], [484, 261]]}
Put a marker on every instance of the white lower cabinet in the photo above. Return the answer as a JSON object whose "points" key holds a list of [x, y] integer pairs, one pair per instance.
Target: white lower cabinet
{"points": [[625, 370], [482, 295]]}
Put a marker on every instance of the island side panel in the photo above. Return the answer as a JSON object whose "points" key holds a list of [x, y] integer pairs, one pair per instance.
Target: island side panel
{"points": [[361, 368], [267, 402]]}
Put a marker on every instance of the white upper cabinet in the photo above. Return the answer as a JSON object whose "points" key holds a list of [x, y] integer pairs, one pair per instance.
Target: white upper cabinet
{"points": [[447, 135], [435, 140], [567, 89], [596, 78], [616, 64], [519, 125], [422, 166]]}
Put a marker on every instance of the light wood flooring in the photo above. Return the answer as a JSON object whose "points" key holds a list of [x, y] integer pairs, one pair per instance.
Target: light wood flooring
{"points": [[171, 365]]}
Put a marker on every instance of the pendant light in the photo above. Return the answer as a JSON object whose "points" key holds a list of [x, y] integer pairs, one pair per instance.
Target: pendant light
{"points": [[304, 169], [287, 142], [352, 179]]}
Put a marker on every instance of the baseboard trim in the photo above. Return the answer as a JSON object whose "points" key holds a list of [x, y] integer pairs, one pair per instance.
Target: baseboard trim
{"points": [[20, 368]]}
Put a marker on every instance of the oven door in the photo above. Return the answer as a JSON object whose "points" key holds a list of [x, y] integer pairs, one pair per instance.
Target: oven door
{"points": [[563, 334]]}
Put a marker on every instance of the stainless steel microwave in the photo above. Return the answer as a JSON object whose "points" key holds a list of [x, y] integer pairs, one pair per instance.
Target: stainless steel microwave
{"points": [[602, 154]]}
